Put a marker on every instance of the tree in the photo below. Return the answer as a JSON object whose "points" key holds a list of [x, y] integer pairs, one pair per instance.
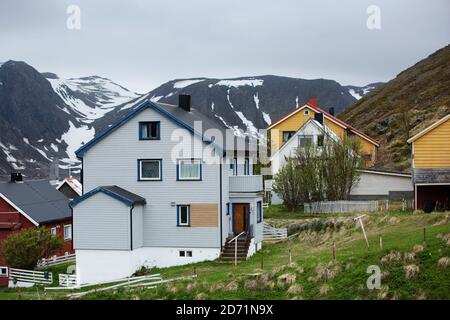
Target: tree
{"points": [[287, 184], [317, 173], [25, 248]]}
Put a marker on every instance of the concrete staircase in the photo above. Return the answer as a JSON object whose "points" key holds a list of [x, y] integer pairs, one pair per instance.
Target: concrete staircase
{"points": [[243, 244]]}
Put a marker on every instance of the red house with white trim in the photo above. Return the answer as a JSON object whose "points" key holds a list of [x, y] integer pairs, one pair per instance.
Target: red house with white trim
{"points": [[29, 204]]}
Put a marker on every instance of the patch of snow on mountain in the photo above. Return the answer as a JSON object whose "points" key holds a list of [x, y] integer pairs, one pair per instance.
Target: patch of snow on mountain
{"points": [[267, 119], [355, 94], [185, 83], [228, 98], [296, 102], [54, 147], [75, 137], [250, 127], [256, 99], [91, 97], [240, 82], [156, 98], [212, 106]]}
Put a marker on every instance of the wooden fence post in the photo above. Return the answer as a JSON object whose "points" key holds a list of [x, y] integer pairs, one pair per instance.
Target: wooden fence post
{"points": [[381, 242], [262, 260], [334, 251], [424, 234]]}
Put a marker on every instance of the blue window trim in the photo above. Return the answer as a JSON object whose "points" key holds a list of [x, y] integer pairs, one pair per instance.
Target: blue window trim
{"points": [[140, 107], [147, 123], [178, 170], [139, 170], [178, 215], [228, 208], [259, 212]]}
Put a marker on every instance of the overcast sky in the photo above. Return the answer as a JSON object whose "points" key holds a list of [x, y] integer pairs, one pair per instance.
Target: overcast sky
{"points": [[142, 44]]}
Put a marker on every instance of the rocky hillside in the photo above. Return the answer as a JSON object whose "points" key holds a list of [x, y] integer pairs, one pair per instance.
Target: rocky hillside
{"points": [[404, 106], [254, 102], [44, 119]]}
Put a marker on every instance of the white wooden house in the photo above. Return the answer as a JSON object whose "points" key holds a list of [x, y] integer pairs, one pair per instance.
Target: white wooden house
{"points": [[161, 187]]}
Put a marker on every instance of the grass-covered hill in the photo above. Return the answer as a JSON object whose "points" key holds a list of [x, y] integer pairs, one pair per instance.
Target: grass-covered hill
{"points": [[303, 267], [404, 106]]}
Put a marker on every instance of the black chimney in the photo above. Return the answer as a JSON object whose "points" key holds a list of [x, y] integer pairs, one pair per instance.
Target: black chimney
{"points": [[16, 177], [331, 111], [319, 117], [184, 102]]}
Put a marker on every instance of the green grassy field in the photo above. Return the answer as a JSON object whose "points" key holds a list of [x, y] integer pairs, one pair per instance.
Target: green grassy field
{"points": [[303, 267]]}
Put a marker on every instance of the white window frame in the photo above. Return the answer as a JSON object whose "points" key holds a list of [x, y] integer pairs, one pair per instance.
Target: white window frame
{"points": [[179, 177], [64, 230], [311, 137], [188, 223], [246, 167], [306, 112], [141, 178], [55, 231], [6, 271]]}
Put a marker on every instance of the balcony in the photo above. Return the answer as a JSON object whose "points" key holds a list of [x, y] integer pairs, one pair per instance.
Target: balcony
{"points": [[246, 184]]}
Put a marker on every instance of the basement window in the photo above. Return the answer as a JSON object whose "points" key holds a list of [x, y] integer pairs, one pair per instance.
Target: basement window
{"points": [[184, 253], [149, 130]]}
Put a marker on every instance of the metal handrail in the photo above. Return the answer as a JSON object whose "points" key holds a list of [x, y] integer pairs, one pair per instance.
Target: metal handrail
{"points": [[240, 234], [235, 247]]}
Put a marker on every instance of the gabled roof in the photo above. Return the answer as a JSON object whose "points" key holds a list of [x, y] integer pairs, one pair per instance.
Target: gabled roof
{"points": [[429, 128], [329, 117], [311, 121], [73, 183], [115, 192], [37, 200], [181, 117]]}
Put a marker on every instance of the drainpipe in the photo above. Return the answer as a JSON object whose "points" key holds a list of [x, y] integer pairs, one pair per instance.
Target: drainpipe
{"points": [[221, 204], [131, 227]]}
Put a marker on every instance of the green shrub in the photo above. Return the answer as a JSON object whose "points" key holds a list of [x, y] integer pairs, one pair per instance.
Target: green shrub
{"points": [[25, 248]]}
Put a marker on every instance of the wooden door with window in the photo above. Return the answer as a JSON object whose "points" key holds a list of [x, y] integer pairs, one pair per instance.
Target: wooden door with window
{"points": [[240, 218]]}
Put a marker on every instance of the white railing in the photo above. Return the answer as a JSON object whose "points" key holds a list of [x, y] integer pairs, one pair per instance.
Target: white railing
{"points": [[30, 276], [67, 280], [345, 206], [246, 184], [235, 239], [271, 233], [53, 261]]}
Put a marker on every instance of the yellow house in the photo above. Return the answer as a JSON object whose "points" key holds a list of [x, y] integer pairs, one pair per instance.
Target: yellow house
{"points": [[282, 130], [431, 166]]}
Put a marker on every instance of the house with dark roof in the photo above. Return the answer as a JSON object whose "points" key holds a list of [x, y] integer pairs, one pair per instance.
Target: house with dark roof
{"points": [[431, 166], [30, 204], [165, 185]]}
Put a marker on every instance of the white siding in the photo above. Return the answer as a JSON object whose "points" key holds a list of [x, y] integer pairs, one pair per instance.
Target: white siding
{"points": [[113, 161], [101, 222], [381, 184]]}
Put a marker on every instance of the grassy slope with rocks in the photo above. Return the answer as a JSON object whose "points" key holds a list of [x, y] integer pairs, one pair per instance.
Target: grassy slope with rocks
{"points": [[411, 269], [402, 107]]}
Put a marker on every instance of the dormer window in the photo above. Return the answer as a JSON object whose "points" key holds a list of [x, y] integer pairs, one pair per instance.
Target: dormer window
{"points": [[149, 130]]}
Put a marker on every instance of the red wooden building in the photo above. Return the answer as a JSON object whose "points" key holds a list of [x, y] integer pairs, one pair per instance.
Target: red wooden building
{"points": [[30, 204]]}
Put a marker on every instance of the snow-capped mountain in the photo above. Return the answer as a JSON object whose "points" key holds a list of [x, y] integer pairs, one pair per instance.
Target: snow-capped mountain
{"points": [[44, 119], [251, 103]]}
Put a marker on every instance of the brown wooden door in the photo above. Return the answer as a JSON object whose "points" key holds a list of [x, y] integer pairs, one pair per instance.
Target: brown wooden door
{"points": [[240, 217]]}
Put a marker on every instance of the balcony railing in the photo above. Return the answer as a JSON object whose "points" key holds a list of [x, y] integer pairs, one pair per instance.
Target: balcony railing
{"points": [[246, 184]]}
